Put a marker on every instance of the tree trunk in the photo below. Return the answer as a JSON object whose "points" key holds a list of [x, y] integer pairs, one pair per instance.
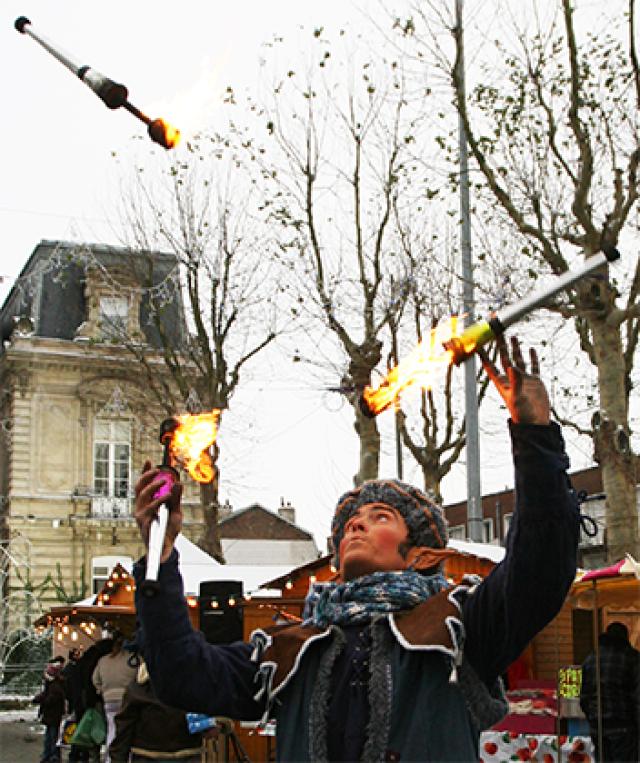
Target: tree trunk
{"points": [[369, 436], [612, 443], [431, 480], [209, 541]]}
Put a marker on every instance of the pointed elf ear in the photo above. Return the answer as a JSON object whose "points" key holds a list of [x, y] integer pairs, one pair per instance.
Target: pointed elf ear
{"points": [[424, 557]]}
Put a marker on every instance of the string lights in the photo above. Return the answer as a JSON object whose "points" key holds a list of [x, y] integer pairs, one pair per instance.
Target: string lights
{"points": [[117, 589]]}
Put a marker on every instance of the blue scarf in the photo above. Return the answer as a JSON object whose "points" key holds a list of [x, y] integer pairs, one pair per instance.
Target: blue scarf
{"points": [[358, 600]]}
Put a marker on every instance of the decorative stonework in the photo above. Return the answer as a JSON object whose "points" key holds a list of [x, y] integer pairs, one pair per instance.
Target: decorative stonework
{"points": [[121, 285]]}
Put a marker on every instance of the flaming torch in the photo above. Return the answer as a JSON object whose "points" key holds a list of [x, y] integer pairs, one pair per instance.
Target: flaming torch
{"points": [[112, 94], [186, 440], [417, 369]]}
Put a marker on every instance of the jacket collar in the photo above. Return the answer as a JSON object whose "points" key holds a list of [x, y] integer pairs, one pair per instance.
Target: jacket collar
{"points": [[434, 625]]}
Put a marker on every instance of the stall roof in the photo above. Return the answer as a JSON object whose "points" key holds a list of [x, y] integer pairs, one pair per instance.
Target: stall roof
{"points": [[488, 551], [615, 586], [481, 550], [196, 567]]}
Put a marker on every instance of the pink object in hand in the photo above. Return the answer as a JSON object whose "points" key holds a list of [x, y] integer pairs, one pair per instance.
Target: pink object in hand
{"points": [[168, 480]]}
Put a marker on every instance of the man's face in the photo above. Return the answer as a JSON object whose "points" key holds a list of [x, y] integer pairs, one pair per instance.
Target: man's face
{"points": [[372, 540]]}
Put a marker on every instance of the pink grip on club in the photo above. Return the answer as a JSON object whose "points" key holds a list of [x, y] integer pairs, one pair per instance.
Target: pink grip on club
{"points": [[168, 480]]}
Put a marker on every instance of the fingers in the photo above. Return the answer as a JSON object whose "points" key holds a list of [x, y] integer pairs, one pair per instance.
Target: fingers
{"points": [[145, 492], [174, 498], [515, 359], [516, 355], [488, 365], [505, 360], [146, 506], [535, 363], [147, 476]]}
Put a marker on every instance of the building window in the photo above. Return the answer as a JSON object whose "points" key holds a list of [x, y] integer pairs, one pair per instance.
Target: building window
{"points": [[114, 316], [458, 532], [112, 458], [487, 530], [506, 524]]}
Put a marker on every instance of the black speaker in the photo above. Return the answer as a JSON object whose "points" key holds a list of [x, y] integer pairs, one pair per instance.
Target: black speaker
{"points": [[221, 611]]}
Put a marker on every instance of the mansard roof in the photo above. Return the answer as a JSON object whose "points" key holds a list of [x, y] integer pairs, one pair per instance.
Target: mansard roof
{"points": [[50, 290]]}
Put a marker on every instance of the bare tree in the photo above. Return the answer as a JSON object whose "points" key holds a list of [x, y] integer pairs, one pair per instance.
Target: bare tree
{"points": [[201, 213], [554, 135], [343, 184], [431, 424]]}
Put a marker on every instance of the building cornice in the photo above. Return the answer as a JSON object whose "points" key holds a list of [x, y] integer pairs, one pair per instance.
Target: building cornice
{"points": [[41, 348]]}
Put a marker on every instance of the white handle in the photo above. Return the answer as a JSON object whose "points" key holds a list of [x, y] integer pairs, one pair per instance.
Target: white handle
{"points": [[157, 532]]}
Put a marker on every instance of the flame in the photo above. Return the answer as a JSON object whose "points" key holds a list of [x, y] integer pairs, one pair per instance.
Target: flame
{"points": [[191, 441], [416, 370], [171, 134], [163, 133]]}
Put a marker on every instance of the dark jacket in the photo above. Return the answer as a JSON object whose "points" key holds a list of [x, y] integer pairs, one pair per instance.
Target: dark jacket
{"points": [[52, 701], [620, 685], [144, 723], [419, 711], [73, 686]]}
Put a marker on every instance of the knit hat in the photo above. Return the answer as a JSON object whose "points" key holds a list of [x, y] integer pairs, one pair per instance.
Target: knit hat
{"points": [[424, 518]]}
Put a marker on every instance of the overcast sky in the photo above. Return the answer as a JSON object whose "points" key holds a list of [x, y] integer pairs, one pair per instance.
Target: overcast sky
{"points": [[60, 181]]}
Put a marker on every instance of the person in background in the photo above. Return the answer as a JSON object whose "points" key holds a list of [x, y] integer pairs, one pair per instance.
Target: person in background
{"points": [[147, 730], [52, 706], [619, 696], [111, 676], [73, 689], [89, 697]]}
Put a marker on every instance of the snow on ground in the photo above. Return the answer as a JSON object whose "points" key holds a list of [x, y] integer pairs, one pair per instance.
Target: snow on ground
{"points": [[27, 715]]}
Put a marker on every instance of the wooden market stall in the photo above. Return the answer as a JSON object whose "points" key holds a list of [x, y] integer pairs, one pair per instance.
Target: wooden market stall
{"points": [[554, 657], [610, 594]]}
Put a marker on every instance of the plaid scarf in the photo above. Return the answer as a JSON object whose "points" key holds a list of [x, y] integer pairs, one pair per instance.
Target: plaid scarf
{"points": [[358, 600]]}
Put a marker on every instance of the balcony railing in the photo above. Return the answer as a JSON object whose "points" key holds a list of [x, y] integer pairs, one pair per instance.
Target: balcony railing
{"points": [[108, 507]]}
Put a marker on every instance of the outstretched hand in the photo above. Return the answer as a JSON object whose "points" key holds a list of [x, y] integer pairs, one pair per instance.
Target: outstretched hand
{"points": [[147, 506], [523, 392]]}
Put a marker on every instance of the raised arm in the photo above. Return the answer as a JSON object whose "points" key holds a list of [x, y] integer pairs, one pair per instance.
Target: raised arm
{"points": [[527, 589], [186, 671]]}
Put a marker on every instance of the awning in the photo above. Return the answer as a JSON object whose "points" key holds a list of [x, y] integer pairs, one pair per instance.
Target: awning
{"points": [[615, 586]]}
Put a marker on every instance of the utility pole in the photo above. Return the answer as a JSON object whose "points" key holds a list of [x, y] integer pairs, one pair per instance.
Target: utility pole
{"points": [[474, 493], [393, 325]]}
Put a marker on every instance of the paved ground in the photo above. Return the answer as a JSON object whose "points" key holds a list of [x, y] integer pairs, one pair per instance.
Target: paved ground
{"points": [[20, 737]]}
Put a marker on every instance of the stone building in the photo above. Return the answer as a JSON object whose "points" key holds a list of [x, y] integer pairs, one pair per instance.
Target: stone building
{"points": [[77, 419]]}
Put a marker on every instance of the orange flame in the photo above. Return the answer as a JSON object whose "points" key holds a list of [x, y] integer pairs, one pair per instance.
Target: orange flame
{"points": [[171, 134], [191, 441], [416, 370], [163, 133]]}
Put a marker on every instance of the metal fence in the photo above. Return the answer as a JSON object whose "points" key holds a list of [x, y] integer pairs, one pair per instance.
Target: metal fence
{"points": [[22, 678]]}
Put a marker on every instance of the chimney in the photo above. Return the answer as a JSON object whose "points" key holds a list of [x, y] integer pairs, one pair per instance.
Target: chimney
{"points": [[286, 511], [225, 510]]}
